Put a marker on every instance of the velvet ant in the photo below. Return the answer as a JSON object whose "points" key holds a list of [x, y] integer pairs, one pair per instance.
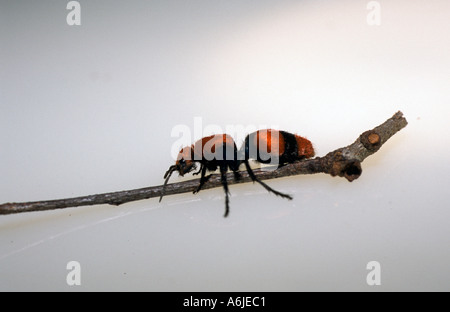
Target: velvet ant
{"points": [[220, 151]]}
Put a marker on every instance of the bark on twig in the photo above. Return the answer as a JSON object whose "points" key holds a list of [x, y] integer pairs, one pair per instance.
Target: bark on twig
{"points": [[343, 162]]}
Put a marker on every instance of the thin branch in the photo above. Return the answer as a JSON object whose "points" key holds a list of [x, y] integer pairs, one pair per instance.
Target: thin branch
{"points": [[343, 162]]}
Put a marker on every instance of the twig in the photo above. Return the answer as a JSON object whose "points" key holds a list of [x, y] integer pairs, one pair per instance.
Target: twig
{"points": [[343, 162]]}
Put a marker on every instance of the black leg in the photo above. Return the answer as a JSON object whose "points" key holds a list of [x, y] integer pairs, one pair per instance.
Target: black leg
{"points": [[223, 174], [237, 175], [254, 178], [203, 179], [199, 170]]}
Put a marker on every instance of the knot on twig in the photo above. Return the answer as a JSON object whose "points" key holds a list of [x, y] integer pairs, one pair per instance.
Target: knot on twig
{"points": [[348, 168], [371, 140], [336, 164], [352, 170]]}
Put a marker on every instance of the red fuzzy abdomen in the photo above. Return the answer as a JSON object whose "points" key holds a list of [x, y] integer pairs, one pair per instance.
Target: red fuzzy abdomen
{"points": [[304, 147]]}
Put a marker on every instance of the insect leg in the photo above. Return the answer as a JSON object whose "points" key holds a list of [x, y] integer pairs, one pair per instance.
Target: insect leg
{"points": [[203, 179], [223, 174], [199, 170], [254, 178]]}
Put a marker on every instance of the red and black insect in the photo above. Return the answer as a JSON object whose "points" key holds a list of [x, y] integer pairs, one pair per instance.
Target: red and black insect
{"points": [[212, 152], [219, 151], [274, 147]]}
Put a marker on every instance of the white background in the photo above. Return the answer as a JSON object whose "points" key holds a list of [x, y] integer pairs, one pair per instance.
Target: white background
{"points": [[90, 109]]}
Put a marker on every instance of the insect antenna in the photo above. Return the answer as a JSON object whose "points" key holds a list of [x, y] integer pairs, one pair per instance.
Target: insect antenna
{"points": [[167, 177]]}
